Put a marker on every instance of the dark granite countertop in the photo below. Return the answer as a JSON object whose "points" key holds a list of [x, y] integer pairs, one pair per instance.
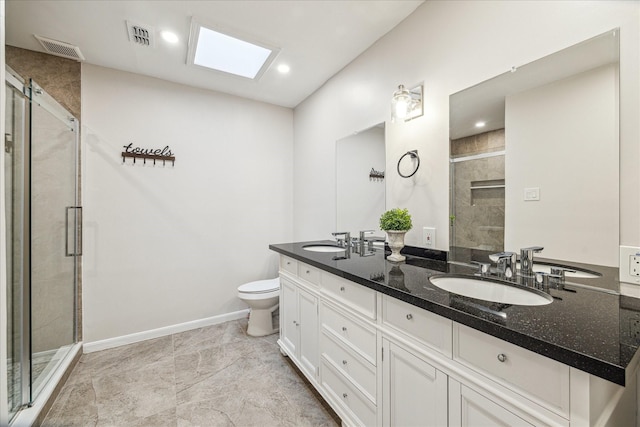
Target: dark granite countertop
{"points": [[588, 325]]}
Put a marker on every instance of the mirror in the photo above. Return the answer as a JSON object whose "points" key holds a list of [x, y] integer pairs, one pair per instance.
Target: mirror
{"points": [[534, 157], [360, 165]]}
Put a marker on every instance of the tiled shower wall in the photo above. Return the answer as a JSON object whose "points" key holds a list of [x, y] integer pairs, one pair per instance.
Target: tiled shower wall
{"points": [[60, 78], [478, 192]]}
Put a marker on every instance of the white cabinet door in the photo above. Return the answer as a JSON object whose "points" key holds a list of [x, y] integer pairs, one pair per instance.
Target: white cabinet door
{"points": [[290, 335], [414, 392], [309, 348], [468, 408]]}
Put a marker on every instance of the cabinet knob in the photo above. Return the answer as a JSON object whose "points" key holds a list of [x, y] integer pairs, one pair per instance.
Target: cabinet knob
{"points": [[502, 357], [344, 395], [341, 288], [344, 329], [288, 262], [295, 323], [308, 272], [344, 362], [409, 316]]}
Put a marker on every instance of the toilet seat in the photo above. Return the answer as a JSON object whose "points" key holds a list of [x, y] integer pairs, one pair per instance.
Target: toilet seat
{"points": [[260, 286]]}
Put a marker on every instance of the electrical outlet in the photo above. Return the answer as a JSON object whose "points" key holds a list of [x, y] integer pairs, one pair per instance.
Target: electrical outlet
{"points": [[634, 329], [630, 264], [429, 237], [634, 265]]}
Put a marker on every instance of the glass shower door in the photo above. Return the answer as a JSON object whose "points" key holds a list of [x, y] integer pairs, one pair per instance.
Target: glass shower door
{"points": [[16, 211], [55, 220]]}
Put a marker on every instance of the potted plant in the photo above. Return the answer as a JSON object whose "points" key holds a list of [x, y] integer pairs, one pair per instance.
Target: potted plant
{"points": [[396, 222]]}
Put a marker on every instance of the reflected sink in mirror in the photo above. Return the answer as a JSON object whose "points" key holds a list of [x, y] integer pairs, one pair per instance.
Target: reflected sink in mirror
{"points": [[491, 290], [569, 271], [324, 248]]}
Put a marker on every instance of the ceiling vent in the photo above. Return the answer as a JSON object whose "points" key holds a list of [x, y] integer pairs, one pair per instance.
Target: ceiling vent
{"points": [[142, 35], [55, 47]]}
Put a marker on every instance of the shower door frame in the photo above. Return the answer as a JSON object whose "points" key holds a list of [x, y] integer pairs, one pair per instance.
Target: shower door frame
{"points": [[25, 302]]}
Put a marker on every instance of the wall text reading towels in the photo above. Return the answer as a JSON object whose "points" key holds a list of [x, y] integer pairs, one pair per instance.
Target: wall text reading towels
{"points": [[163, 154]]}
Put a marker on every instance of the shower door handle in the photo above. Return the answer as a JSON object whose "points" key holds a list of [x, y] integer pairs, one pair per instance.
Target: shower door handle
{"points": [[76, 226]]}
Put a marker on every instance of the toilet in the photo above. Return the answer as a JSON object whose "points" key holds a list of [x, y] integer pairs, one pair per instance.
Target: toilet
{"points": [[262, 297]]}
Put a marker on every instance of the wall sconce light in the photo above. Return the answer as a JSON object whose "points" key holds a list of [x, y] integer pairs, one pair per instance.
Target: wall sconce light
{"points": [[406, 104]]}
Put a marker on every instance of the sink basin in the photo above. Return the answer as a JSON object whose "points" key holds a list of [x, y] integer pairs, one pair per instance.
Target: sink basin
{"points": [[581, 274], [324, 248], [490, 290]]}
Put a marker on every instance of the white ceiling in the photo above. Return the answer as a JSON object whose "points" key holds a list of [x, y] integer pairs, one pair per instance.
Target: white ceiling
{"points": [[317, 38]]}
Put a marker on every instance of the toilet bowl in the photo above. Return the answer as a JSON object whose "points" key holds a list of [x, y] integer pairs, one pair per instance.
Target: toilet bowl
{"points": [[262, 297]]}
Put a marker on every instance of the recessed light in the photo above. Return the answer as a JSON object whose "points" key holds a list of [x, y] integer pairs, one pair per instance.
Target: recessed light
{"points": [[284, 68], [229, 54], [480, 124], [169, 37]]}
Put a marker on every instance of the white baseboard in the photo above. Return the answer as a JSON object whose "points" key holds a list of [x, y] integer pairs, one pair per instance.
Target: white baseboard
{"points": [[90, 347]]}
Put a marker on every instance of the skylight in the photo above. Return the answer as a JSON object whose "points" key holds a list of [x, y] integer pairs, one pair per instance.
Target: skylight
{"points": [[229, 54]]}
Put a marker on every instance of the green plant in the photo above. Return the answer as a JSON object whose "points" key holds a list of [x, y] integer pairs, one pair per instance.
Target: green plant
{"points": [[396, 220]]}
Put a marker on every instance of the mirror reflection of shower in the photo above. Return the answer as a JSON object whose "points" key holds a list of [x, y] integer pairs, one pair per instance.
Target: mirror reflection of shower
{"points": [[43, 224]]}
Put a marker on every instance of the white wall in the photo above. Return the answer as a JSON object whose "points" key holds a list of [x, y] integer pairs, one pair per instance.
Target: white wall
{"points": [[450, 46], [562, 139], [360, 200], [167, 245]]}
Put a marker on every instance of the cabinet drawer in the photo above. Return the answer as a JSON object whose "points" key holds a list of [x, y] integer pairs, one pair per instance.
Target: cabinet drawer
{"points": [[308, 273], [353, 295], [429, 328], [289, 264], [347, 397], [540, 378], [355, 333], [350, 365]]}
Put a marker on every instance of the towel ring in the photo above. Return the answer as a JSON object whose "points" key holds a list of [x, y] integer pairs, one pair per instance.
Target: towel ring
{"points": [[414, 155]]}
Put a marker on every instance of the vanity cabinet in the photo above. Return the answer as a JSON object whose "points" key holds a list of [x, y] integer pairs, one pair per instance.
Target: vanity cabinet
{"points": [[537, 378], [348, 345], [468, 408], [379, 361], [414, 391], [299, 324]]}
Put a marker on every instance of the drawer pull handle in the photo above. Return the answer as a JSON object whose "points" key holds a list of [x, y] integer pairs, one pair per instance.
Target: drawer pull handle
{"points": [[344, 362], [409, 316], [502, 357], [344, 329], [344, 395], [341, 288]]}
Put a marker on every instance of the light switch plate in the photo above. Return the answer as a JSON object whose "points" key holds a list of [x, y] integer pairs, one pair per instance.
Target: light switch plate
{"points": [[532, 194], [630, 264], [429, 237]]}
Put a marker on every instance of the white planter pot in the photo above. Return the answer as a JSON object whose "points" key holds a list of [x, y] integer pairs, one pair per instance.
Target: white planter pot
{"points": [[396, 243]]}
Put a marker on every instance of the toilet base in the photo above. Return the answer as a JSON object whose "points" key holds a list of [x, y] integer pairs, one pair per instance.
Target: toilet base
{"points": [[261, 323]]}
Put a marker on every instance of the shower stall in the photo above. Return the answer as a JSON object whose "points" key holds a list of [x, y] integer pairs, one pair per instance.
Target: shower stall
{"points": [[43, 221]]}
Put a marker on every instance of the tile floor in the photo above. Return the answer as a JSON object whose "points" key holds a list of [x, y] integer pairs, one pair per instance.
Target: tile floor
{"points": [[213, 376]]}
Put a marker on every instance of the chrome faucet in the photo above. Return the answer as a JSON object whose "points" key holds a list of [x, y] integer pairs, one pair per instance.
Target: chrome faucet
{"points": [[345, 242], [560, 272], [483, 268], [506, 262], [526, 260], [363, 234]]}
